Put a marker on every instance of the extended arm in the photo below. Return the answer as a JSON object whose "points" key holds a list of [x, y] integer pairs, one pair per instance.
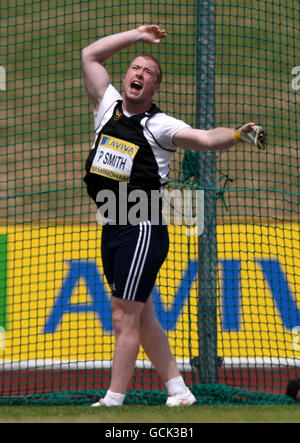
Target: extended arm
{"points": [[95, 76], [219, 138]]}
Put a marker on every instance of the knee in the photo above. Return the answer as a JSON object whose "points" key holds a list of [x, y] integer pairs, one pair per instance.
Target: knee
{"points": [[148, 318], [122, 322], [125, 315], [118, 321]]}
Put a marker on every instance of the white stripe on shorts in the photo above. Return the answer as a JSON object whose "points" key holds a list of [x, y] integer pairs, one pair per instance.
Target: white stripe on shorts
{"points": [[138, 261]]}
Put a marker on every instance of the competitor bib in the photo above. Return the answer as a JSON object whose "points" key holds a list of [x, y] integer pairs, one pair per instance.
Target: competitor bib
{"points": [[114, 158]]}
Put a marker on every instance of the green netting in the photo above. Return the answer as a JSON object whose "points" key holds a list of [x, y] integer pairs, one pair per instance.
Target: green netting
{"points": [[56, 341], [205, 394]]}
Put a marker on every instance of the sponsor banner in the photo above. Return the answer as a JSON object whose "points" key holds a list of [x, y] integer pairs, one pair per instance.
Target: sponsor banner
{"points": [[55, 303]]}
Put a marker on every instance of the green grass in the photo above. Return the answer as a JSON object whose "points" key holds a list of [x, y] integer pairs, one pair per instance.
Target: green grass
{"points": [[151, 414]]}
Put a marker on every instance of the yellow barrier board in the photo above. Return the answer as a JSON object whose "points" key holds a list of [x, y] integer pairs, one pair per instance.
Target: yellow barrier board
{"points": [[55, 303]]}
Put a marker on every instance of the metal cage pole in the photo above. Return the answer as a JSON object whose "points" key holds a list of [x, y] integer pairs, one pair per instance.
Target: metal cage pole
{"points": [[207, 362]]}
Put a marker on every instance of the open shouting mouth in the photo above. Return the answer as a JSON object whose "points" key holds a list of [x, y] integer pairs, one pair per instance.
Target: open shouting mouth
{"points": [[136, 86]]}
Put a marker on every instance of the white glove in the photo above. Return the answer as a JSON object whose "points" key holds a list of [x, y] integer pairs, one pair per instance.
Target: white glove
{"points": [[257, 136]]}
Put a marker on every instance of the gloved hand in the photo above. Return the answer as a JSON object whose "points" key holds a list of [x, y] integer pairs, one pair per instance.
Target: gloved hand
{"points": [[255, 136]]}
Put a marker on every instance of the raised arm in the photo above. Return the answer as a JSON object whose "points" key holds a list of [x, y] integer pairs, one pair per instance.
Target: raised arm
{"points": [[95, 76]]}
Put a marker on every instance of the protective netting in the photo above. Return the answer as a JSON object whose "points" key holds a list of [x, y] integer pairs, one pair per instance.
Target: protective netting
{"points": [[205, 394], [56, 339]]}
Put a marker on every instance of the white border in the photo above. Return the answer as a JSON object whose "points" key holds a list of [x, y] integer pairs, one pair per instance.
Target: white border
{"points": [[183, 365]]}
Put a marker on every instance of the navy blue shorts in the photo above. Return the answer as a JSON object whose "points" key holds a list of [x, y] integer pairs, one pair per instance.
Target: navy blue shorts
{"points": [[132, 257]]}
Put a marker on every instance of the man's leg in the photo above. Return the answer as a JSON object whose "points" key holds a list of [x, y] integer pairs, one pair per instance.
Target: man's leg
{"points": [[156, 345], [126, 323]]}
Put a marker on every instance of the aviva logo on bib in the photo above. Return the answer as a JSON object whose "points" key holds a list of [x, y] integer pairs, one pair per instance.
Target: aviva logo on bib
{"points": [[119, 145]]}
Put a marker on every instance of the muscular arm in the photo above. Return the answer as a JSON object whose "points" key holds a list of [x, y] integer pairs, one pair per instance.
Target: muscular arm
{"points": [[95, 76], [207, 140]]}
